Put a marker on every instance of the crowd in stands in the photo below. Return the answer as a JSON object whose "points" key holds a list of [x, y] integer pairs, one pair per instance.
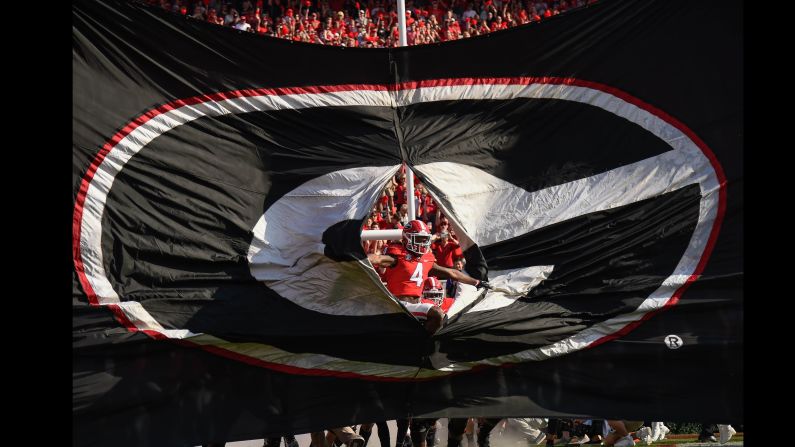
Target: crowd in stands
{"points": [[369, 23]]}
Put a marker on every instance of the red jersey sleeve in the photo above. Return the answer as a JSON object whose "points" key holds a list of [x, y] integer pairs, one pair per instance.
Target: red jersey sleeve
{"points": [[394, 250]]}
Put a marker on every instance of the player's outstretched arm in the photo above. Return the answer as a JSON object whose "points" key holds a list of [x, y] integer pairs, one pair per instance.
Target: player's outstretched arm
{"points": [[381, 260], [447, 273]]}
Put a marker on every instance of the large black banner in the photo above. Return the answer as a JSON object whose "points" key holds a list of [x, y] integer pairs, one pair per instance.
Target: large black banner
{"points": [[590, 163]]}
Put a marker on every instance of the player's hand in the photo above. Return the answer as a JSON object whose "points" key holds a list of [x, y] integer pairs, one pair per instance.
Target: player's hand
{"points": [[484, 285]]}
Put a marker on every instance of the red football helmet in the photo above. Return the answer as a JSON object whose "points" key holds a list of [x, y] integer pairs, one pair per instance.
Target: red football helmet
{"points": [[417, 237], [433, 290]]}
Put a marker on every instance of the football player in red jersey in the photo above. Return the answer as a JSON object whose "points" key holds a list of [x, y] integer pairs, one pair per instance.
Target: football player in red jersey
{"points": [[433, 293], [408, 265]]}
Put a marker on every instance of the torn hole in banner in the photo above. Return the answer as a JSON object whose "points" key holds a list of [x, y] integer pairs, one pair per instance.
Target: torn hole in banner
{"points": [[306, 248]]}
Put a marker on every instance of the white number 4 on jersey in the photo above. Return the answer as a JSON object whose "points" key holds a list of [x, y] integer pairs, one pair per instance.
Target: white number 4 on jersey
{"points": [[417, 275]]}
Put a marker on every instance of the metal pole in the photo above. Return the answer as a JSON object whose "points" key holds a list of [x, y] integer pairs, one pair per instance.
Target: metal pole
{"points": [[396, 235], [410, 192], [382, 235], [401, 4]]}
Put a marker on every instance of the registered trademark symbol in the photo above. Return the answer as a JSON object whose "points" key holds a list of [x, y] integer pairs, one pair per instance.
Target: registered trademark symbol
{"points": [[673, 341]]}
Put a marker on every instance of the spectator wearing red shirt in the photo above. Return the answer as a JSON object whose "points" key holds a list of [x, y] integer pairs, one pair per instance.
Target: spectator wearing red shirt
{"points": [[437, 10], [339, 20], [498, 24], [523, 17], [420, 198], [411, 37], [446, 250], [314, 23], [451, 22], [289, 16], [400, 191], [430, 210], [409, 19], [386, 204], [372, 37]]}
